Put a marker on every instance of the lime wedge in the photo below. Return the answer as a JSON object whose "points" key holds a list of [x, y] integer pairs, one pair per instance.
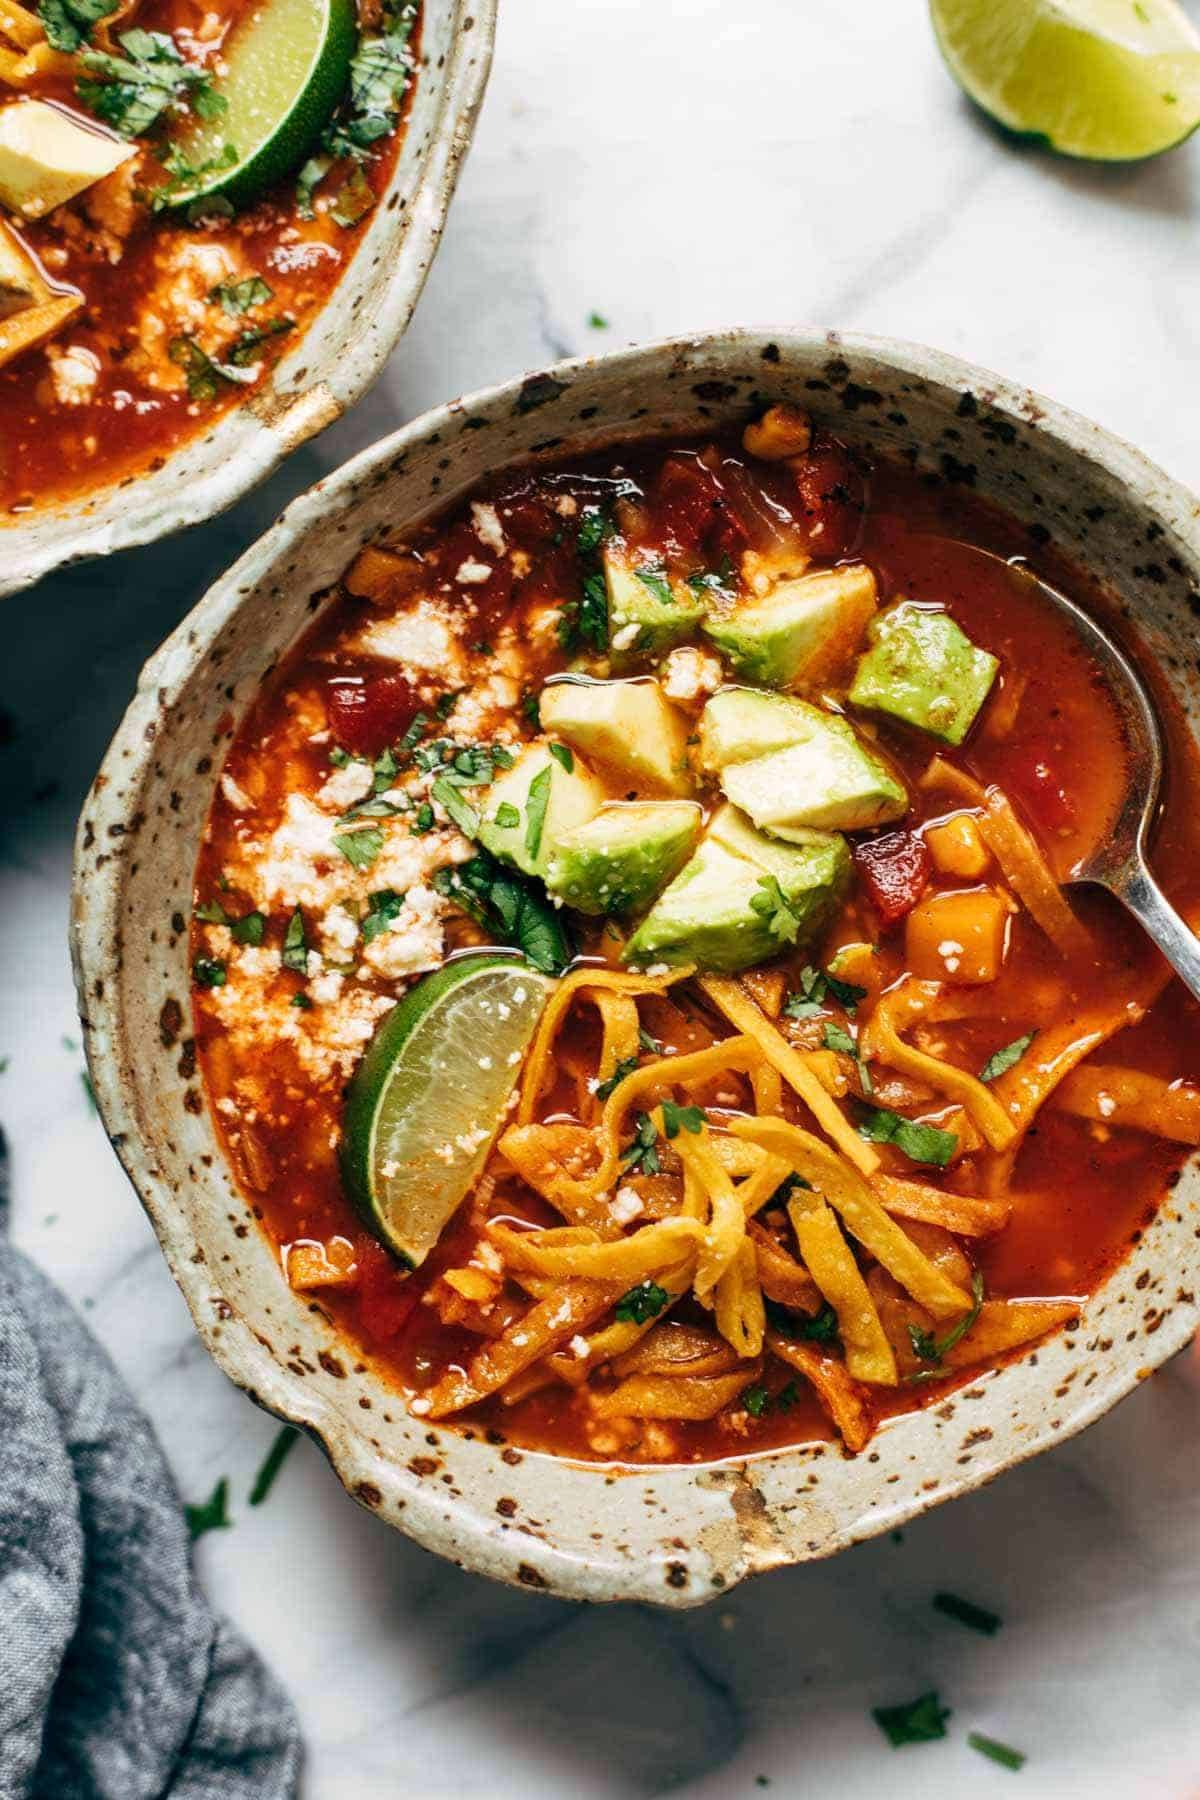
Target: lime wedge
{"points": [[287, 64], [430, 1095], [1110, 80]]}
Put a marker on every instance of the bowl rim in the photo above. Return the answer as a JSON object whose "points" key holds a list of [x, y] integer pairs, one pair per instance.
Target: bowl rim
{"points": [[83, 539], [468, 1538]]}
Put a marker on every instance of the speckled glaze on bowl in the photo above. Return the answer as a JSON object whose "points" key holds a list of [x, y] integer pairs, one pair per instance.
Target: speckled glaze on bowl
{"points": [[337, 358], [674, 1535]]}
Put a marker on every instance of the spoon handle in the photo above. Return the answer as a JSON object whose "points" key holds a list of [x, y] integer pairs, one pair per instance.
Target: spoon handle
{"points": [[1139, 891]]}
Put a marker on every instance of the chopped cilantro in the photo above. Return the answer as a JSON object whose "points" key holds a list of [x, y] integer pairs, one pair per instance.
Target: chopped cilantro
{"points": [[787, 1397], [643, 1151], [341, 759], [379, 76], [510, 907], [423, 819], [920, 1143], [713, 581], [448, 795], [932, 1350], [360, 848], [295, 944], [508, 816], [535, 811], [140, 85], [382, 908], [648, 1043], [531, 708], [264, 1481], [205, 376], [210, 1514], [641, 1304], [89, 1090], [353, 200], [682, 1118], [594, 527], [181, 175], [756, 1400], [1004, 1754], [625, 1067], [211, 912], [562, 754], [977, 1618], [209, 972], [820, 1327], [1000, 1061], [445, 704], [239, 297], [654, 578], [772, 904], [817, 986], [413, 735], [249, 929], [597, 321], [836, 1038], [245, 350], [68, 23], [919, 1722], [302, 1001]]}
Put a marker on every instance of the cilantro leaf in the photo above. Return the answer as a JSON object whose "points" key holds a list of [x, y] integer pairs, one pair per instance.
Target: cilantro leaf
{"points": [[507, 816], [206, 377], [817, 986], [920, 1143], [211, 912], [510, 907], [643, 1151], [210, 1514], [68, 23], [264, 1481], [840, 1040], [1000, 1061], [360, 848], [248, 930], [140, 85], [295, 945], [933, 1350], [1004, 1754], [246, 349], [641, 1304], [773, 905], [382, 908], [209, 972], [965, 1612], [625, 1067], [239, 297], [919, 1722], [594, 527], [449, 796], [380, 72], [536, 803], [682, 1118], [756, 1400], [654, 578], [562, 754]]}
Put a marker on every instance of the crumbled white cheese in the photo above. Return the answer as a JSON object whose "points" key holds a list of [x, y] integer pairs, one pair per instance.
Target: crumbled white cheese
{"points": [[338, 930], [488, 528], [578, 1346], [420, 1406], [627, 636], [473, 574], [687, 673], [327, 988], [74, 373], [626, 1206], [346, 786], [1106, 1106], [419, 637], [414, 939], [235, 796]]}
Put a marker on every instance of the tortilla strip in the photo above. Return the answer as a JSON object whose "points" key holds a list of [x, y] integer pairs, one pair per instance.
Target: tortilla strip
{"points": [[968, 1216], [589, 980], [570, 1252], [1005, 1325], [834, 1386], [673, 1349], [674, 1397], [544, 1328], [738, 1303], [781, 1277], [1129, 1097], [880, 1038], [833, 1268]]}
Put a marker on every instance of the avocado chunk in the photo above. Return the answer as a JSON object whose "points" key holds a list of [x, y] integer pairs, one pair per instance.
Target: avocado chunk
{"points": [[801, 631], [794, 767], [922, 668], [622, 858], [731, 908], [47, 157], [648, 611], [561, 799], [628, 726]]}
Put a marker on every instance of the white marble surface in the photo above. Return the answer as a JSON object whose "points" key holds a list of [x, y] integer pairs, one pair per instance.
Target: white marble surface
{"points": [[671, 165]]}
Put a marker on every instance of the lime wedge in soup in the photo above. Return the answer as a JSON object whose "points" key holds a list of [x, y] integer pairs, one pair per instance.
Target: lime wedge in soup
{"points": [[286, 67], [1110, 80], [430, 1095]]}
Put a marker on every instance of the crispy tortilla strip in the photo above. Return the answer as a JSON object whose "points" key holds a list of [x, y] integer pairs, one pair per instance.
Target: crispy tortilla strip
{"points": [[544, 1328], [34, 325], [539, 1063], [725, 1231], [735, 1156], [569, 1252], [780, 1276], [738, 1303], [746, 1017], [614, 1339], [22, 28], [845, 1189], [767, 1084], [1005, 1325], [836, 1390], [670, 1348], [543, 1155], [34, 65], [833, 1268], [1117, 1096], [880, 1039], [619, 1014], [675, 1397], [968, 1216], [759, 1188]]}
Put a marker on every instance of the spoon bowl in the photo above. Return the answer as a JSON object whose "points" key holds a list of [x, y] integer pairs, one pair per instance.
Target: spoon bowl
{"points": [[1119, 862]]}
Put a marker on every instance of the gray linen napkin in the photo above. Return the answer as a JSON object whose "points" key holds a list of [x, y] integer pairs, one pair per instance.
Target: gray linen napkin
{"points": [[116, 1681]]}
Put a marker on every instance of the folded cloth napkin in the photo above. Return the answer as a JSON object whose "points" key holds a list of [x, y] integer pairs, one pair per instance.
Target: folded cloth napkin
{"points": [[116, 1681]]}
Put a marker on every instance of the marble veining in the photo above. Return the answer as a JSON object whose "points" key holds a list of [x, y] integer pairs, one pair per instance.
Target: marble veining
{"points": [[664, 168]]}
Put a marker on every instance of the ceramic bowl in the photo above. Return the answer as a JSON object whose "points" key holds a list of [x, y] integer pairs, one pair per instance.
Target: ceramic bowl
{"points": [[334, 362], [674, 1535]]}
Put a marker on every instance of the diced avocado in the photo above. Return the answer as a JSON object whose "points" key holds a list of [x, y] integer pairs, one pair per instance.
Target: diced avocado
{"points": [[648, 612], [47, 157], [794, 767], [622, 858], [563, 798], [728, 910], [801, 631], [20, 284], [922, 668], [628, 726]]}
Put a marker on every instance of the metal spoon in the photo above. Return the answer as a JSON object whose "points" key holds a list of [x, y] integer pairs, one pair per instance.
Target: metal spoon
{"points": [[1119, 862]]}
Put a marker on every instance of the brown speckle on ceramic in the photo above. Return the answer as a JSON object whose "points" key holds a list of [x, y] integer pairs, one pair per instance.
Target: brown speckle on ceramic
{"points": [[673, 1536], [339, 355]]}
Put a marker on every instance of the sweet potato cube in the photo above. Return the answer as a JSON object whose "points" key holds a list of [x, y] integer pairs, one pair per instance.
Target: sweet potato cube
{"points": [[957, 847], [958, 936]]}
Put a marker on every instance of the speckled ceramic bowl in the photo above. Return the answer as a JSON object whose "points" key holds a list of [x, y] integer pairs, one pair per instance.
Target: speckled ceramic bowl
{"points": [[672, 1535], [335, 361]]}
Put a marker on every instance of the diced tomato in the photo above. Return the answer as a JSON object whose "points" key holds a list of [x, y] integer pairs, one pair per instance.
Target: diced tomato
{"points": [[832, 497], [694, 508], [894, 871], [386, 1297], [366, 715]]}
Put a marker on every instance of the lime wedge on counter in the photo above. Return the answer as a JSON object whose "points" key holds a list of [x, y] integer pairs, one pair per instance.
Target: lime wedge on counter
{"points": [[1110, 80], [430, 1095], [287, 64]]}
